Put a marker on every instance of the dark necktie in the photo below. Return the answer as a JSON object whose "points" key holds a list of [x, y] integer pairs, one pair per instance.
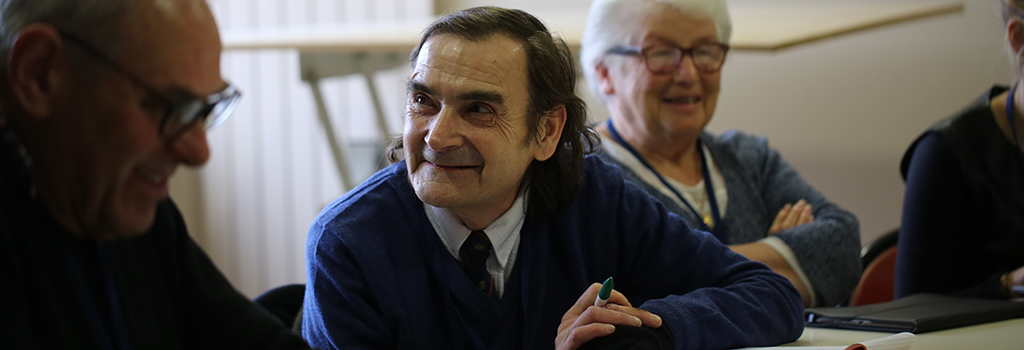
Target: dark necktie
{"points": [[474, 253]]}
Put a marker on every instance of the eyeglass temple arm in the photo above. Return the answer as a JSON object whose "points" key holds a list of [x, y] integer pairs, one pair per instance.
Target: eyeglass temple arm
{"points": [[625, 50]]}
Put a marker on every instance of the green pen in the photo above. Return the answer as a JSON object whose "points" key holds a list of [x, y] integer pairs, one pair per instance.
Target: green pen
{"points": [[605, 293]]}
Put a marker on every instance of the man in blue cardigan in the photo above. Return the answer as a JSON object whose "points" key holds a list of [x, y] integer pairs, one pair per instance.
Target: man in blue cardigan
{"points": [[489, 233]]}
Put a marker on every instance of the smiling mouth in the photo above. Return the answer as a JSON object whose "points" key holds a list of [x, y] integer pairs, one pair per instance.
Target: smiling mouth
{"points": [[683, 100], [151, 177], [453, 167]]}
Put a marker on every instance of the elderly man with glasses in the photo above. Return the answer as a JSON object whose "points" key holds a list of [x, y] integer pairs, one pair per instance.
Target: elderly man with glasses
{"points": [[101, 101]]}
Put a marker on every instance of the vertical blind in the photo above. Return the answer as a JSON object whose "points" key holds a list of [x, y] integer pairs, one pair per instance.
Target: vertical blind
{"points": [[271, 170]]}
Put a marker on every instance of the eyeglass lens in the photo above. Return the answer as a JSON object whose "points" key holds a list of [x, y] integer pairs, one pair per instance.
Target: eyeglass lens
{"points": [[211, 111], [664, 59]]}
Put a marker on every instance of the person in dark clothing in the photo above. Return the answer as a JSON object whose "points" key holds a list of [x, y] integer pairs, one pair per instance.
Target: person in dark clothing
{"points": [[100, 101], [962, 231], [489, 233]]}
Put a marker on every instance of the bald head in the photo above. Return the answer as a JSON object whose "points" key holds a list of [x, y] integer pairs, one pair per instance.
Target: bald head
{"points": [[146, 17], [182, 29], [101, 21]]}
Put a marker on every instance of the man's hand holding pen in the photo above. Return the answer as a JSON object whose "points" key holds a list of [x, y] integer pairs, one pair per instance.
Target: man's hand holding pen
{"points": [[585, 321]]}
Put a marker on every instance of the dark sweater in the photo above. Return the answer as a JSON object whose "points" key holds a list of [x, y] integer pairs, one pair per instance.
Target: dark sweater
{"points": [[170, 293], [380, 278], [962, 225]]}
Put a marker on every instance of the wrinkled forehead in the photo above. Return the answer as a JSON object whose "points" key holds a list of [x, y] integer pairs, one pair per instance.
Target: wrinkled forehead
{"points": [[497, 61]]}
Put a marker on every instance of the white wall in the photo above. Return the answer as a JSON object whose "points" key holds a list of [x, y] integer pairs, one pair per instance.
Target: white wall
{"points": [[531, 6], [841, 111], [844, 110], [271, 172]]}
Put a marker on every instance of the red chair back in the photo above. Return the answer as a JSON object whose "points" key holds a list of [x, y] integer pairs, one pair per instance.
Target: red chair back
{"points": [[878, 280]]}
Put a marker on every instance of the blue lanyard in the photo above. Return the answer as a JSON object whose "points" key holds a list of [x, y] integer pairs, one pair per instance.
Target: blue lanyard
{"points": [[120, 330], [1013, 129], [705, 222]]}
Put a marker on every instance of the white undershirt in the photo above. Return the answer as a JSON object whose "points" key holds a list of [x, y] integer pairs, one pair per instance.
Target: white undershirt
{"points": [[503, 233], [695, 194]]}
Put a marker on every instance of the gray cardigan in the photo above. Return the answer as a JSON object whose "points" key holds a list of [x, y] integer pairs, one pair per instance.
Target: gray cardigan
{"points": [[759, 183]]}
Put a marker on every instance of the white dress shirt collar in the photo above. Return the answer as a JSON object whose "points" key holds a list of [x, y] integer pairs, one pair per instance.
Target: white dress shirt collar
{"points": [[503, 232]]}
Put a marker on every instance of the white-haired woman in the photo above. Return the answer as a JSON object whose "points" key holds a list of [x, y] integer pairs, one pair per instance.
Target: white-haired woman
{"points": [[657, 66], [962, 232]]}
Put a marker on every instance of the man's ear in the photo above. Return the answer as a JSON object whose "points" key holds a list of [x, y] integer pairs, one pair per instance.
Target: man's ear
{"points": [[550, 132], [31, 69], [1015, 35], [604, 81]]}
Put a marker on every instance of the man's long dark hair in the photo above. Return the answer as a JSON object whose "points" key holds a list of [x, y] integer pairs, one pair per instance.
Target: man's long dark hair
{"points": [[551, 74]]}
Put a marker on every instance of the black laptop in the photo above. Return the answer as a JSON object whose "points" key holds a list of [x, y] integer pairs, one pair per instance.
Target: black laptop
{"points": [[917, 313]]}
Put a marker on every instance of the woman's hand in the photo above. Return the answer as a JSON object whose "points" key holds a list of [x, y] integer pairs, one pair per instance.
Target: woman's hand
{"points": [[792, 216], [584, 321]]}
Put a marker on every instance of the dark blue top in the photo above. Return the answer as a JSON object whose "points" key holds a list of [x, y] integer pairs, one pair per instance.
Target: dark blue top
{"points": [[380, 278], [963, 209]]}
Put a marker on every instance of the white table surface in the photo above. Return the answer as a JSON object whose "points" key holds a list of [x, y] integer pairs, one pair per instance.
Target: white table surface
{"points": [[989, 336]]}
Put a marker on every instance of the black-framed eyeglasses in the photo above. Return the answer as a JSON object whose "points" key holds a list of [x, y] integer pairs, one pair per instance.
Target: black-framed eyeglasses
{"points": [[178, 116], [665, 59]]}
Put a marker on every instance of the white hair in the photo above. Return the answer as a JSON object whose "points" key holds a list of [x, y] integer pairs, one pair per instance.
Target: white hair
{"points": [[612, 22]]}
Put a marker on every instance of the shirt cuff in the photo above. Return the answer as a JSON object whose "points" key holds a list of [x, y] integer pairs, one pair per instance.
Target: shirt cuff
{"points": [[780, 247]]}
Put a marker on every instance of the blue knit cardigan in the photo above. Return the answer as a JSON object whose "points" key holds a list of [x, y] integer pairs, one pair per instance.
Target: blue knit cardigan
{"points": [[760, 183], [380, 278]]}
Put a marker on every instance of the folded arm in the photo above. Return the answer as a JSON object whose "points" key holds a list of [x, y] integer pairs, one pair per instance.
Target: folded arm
{"points": [[826, 249]]}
